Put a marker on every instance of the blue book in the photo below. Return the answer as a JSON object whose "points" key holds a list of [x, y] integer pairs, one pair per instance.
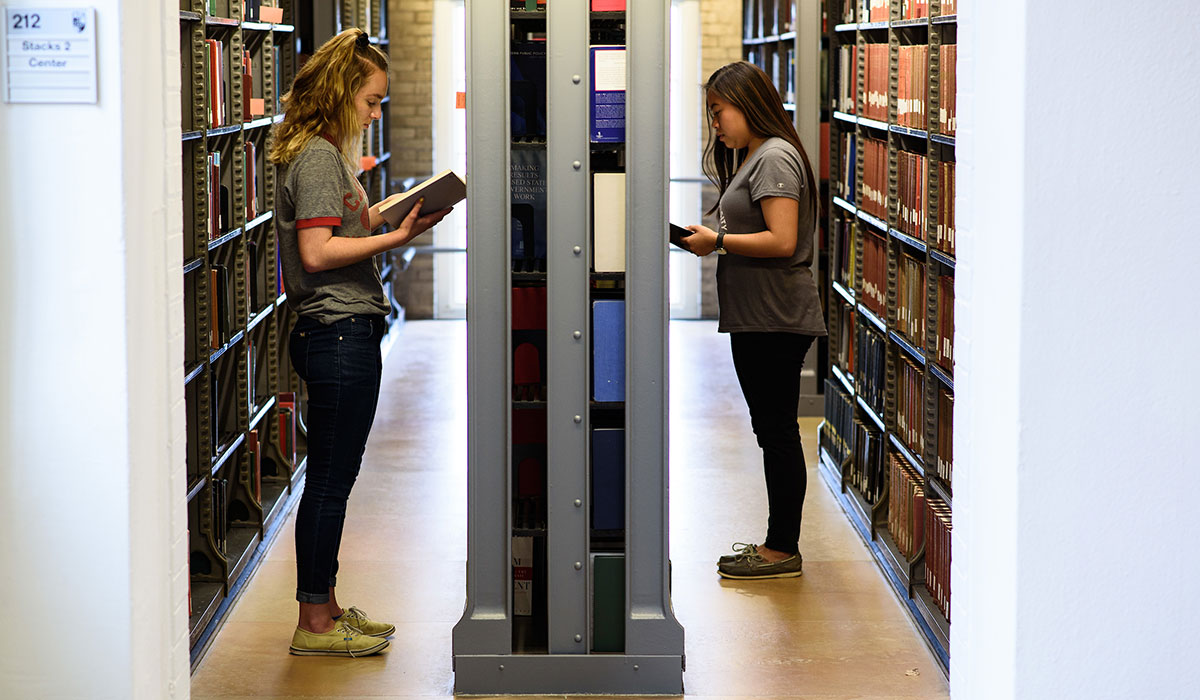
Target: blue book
{"points": [[608, 94], [528, 183], [608, 479], [608, 350], [527, 87]]}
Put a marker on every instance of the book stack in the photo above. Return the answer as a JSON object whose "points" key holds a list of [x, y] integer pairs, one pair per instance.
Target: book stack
{"points": [[937, 553], [875, 263], [945, 436], [847, 64], [529, 343], [945, 325], [912, 173], [215, 82], [875, 178], [838, 427], [910, 299], [913, 88], [875, 82], [910, 404], [948, 88], [871, 368], [844, 252], [914, 9], [876, 10], [867, 467], [943, 238], [949, 7], [848, 15], [529, 458], [848, 167], [906, 506], [844, 349]]}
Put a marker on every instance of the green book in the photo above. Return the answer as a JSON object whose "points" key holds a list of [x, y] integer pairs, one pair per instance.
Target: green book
{"points": [[608, 602]]}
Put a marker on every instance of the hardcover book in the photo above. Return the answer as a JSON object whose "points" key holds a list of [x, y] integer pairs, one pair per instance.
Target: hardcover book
{"points": [[608, 94], [441, 191]]}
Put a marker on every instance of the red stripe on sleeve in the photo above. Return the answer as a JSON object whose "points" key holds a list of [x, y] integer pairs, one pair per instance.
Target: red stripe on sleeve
{"points": [[323, 221]]}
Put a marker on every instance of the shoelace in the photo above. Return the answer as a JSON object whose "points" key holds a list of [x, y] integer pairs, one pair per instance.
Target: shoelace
{"points": [[350, 633], [355, 614], [743, 548]]}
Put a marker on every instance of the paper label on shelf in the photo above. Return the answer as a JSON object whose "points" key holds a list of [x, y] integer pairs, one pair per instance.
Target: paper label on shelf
{"points": [[50, 55]]}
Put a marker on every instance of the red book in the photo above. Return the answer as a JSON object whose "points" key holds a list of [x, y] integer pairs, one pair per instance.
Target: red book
{"points": [[604, 5]]}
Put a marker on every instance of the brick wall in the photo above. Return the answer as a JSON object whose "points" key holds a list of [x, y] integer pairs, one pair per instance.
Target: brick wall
{"points": [[410, 30]]}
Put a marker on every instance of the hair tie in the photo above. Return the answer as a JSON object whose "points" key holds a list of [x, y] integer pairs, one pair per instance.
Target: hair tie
{"points": [[363, 41]]}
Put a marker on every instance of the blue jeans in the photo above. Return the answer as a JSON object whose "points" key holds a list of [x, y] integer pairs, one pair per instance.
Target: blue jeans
{"points": [[341, 365], [768, 368]]}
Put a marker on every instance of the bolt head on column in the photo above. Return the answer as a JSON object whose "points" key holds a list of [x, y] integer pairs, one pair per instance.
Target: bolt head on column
{"points": [[577, 165], [579, 637], [577, 335], [575, 79], [578, 419]]}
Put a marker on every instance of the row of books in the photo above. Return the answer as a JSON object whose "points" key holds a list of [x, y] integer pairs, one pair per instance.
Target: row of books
{"points": [[867, 466], [875, 178], [945, 322], [875, 273], [847, 79], [879, 10], [914, 9], [945, 436], [843, 252], [912, 90], [948, 90], [843, 349], [597, 5], [870, 376], [910, 298], [848, 167], [943, 235], [906, 506], [220, 217], [529, 460], [912, 174], [529, 343], [216, 85], [223, 316], [763, 18], [838, 428], [910, 404], [779, 64], [937, 553], [874, 95]]}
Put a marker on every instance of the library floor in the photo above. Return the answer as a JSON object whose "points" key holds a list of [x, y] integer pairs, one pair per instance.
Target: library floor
{"points": [[836, 633]]}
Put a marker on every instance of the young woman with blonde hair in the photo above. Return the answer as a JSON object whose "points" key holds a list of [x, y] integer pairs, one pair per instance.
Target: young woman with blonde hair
{"points": [[767, 296], [327, 243]]}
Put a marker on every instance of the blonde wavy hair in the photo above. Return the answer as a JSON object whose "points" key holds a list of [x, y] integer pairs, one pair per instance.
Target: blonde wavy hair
{"points": [[321, 100]]}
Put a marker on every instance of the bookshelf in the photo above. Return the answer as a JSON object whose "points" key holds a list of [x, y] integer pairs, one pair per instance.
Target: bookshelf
{"points": [[244, 404], [885, 444], [564, 290]]}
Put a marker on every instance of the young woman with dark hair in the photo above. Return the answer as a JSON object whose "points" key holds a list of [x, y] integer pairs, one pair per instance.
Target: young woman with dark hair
{"points": [[327, 243], [768, 299]]}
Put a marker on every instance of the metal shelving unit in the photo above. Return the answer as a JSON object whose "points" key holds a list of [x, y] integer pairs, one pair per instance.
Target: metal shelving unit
{"points": [[907, 574], [552, 651]]}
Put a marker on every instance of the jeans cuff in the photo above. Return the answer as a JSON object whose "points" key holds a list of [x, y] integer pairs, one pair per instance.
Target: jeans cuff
{"points": [[312, 598]]}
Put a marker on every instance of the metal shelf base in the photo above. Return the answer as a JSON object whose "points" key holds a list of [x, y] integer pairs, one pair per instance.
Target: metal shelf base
{"points": [[568, 674]]}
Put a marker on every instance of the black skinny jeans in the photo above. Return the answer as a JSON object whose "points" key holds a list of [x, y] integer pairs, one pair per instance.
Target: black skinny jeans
{"points": [[341, 365], [768, 368]]}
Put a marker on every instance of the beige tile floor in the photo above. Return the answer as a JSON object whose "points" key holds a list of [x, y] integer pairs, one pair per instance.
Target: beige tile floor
{"points": [[837, 633]]}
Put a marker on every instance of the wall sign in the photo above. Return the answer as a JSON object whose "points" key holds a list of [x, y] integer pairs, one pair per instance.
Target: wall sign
{"points": [[50, 54]]}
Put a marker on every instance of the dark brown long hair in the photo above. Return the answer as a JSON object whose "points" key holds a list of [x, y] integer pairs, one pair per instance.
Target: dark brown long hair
{"points": [[745, 86]]}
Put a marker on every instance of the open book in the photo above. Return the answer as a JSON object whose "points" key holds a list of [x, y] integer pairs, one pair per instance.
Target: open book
{"points": [[440, 191]]}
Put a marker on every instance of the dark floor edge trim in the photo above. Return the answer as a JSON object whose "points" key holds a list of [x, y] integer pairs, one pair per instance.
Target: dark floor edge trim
{"points": [[941, 655], [235, 592]]}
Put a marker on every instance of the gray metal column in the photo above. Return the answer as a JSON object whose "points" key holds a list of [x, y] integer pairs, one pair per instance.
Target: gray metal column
{"points": [[486, 625], [651, 627], [808, 127], [568, 336]]}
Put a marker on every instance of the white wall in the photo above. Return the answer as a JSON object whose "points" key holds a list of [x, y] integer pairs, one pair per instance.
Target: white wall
{"points": [[1076, 473], [91, 428]]}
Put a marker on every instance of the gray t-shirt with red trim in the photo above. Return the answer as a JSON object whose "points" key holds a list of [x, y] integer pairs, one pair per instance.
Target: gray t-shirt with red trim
{"points": [[319, 190], [768, 294]]}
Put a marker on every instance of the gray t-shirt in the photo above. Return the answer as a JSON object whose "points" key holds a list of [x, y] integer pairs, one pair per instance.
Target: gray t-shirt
{"points": [[768, 294], [319, 190]]}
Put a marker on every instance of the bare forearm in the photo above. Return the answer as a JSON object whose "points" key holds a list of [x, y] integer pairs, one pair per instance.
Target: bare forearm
{"points": [[763, 244], [339, 251]]}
